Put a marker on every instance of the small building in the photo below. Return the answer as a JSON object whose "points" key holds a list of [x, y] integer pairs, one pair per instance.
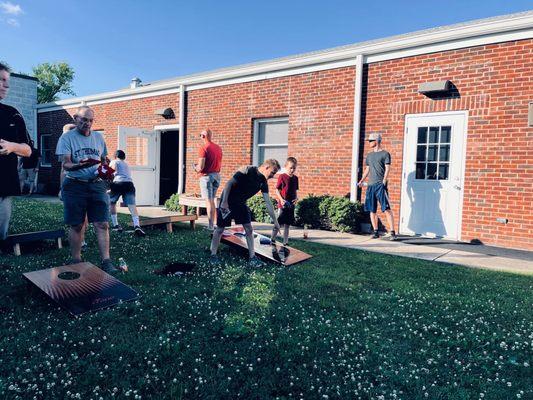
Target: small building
{"points": [[23, 96], [454, 106]]}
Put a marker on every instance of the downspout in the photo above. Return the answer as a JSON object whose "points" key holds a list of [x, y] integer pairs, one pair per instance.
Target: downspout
{"points": [[181, 155], [358, 96]]}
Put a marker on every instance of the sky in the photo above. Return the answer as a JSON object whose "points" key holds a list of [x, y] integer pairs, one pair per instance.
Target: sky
{"points": [[109, 42]]}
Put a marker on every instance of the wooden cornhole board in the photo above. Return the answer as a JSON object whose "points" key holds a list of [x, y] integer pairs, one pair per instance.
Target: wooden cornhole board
{"points": [[168, 220], [17, 239], [81, 288], [284, 255], [193, 200]]}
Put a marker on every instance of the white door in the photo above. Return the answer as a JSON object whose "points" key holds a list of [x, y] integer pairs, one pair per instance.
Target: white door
{"points": [[140, 147], [433, 166]]}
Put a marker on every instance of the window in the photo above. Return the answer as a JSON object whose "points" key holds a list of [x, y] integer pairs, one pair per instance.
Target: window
{"points": [[46, 150], [433, 152], [271, 138]]}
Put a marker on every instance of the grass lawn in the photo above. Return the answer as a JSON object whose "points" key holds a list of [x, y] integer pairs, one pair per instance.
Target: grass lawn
{"points": [[345, 325]]}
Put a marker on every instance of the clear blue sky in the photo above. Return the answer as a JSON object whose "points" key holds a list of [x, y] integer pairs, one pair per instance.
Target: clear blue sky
{"points": [[109, 42]]}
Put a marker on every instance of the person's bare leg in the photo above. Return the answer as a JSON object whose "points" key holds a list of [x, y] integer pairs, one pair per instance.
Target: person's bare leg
{"points": [[75, 237], [286, 234], [134, 214], [249, 239], [275, 232], [211, 212], [390, 219], [215, 241], [85, 225], [102, 234], [374, 220]]}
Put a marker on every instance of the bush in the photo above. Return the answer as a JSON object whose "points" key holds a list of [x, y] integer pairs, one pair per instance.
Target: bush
{"points": [[308, 212], [258, 208], [329, 212], [173, 203]]}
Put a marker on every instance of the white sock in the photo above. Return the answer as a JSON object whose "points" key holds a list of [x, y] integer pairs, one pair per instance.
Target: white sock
{"points": [[135, 219], [114, 219]]}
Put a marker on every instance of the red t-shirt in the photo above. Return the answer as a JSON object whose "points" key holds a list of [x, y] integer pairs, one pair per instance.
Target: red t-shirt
{"points": [[213, 158], [287, 186]]}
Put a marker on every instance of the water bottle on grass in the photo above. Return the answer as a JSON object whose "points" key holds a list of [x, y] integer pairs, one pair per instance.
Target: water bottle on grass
{"points": [[122, 265]]}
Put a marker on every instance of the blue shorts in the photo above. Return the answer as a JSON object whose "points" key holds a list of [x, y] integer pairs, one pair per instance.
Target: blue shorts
{"points": [[209, 185], [85, 198], [374, 193], [124, 189]]}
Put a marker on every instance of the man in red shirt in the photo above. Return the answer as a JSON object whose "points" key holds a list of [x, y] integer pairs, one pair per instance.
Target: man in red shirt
{"points": [[209, 162]]}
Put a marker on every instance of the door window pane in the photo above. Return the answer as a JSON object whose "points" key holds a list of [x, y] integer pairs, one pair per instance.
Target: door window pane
{"points": [[420, 170], [432, 153], [431, 171], [444, 154], [445, 134], [433, 134], [443, 171], [421, 153], [422, 134]]}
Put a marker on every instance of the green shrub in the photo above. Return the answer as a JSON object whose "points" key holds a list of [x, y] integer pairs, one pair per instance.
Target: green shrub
{"points": [[308, 212], [258, 208], [329, 212], [173, 203]]}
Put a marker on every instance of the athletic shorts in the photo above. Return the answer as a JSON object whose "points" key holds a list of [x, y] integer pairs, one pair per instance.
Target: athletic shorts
{"points": [[27, 175], [85, 198], [286, 215], [124, 189], [209, 185], [240, 213], [374, 193]]}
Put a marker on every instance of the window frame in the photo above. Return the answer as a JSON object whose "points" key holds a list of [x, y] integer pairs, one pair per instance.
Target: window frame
{"points": [[41, 150], [257, 145]]}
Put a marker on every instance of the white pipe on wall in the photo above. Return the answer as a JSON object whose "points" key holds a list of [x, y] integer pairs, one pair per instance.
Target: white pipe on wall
{"points": [[181, 155], [358, 97]]}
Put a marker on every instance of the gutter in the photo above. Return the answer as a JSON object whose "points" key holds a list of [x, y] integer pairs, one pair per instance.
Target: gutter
{"points": [[358, 98]]}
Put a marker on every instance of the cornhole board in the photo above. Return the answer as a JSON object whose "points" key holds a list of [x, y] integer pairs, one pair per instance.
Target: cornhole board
{"points": [[81, 288], [168, 220], [17, 239], [285, 255]]}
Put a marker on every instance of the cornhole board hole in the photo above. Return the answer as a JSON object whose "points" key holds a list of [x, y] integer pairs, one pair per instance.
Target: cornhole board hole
{"points": [[285, 255], [175, 268], [28, 237], [81, 288], [168, 220]]}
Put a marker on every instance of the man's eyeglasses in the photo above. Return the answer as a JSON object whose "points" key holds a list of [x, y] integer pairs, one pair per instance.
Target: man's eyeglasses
{"points": [[370, 141], [84, 119]]}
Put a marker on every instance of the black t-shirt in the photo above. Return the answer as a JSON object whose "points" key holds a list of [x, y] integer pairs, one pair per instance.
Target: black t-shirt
{"points": [[32, 161], [12, 129], [247, 182]]}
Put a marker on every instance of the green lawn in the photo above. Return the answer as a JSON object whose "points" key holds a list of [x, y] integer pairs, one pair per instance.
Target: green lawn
{"points": [[345, 325]]}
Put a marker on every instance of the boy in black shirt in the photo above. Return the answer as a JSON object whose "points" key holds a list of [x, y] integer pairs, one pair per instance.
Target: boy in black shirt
{"points": [[244, 184], [13, 143]]}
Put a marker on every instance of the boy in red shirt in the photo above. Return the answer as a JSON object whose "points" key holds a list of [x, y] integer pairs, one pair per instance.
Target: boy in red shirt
{"points": [[287, 194]]}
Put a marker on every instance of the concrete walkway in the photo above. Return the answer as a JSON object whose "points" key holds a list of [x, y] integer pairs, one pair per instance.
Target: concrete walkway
{"points": [[514, 261], [491, 258]]}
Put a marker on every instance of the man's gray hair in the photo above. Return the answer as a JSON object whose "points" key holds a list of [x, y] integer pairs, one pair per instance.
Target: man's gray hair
{"points": [[80, 108]]}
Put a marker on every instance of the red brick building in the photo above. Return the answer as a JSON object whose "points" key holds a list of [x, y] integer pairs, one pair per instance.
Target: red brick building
{"points": [[454, 106]]}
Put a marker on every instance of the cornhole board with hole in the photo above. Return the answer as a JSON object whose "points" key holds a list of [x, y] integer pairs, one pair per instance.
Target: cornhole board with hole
{"points": [[81, 288], [285, 255], [168, 220], [16, 240]]}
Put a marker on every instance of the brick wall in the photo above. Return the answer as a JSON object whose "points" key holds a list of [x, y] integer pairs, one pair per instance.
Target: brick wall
{"points": [[495, 84], [23, 96], [319, 107]]}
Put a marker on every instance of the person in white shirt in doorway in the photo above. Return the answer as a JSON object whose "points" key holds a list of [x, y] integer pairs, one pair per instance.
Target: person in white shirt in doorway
{"points": [[122, 185]]}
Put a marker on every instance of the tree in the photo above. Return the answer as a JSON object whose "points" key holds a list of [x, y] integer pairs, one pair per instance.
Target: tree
{"points": [[53, 79]]}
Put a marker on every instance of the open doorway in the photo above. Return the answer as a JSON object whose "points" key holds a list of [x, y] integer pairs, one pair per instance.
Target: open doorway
{"points": [[168, 177]]}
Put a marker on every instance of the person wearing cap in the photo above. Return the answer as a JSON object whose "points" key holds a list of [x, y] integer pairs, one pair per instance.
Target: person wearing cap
{"points": [[209, 163], [377, 170]]}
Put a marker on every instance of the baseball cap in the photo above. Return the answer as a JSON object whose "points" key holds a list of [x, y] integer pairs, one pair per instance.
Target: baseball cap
{"points": [[374, 136]]}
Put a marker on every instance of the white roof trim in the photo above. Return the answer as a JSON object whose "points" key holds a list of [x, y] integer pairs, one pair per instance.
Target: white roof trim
{"points": [[485, 31]]}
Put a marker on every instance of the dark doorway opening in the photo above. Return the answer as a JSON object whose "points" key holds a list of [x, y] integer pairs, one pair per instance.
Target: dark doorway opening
{"points": [[168, 178]]}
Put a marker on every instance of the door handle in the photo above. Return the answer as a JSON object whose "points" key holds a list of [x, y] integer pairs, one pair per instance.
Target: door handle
{"points": [[457, 187]]}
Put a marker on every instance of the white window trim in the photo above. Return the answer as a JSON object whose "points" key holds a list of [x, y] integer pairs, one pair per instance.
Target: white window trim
{"points": [[256, 145], [41, 151]]}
